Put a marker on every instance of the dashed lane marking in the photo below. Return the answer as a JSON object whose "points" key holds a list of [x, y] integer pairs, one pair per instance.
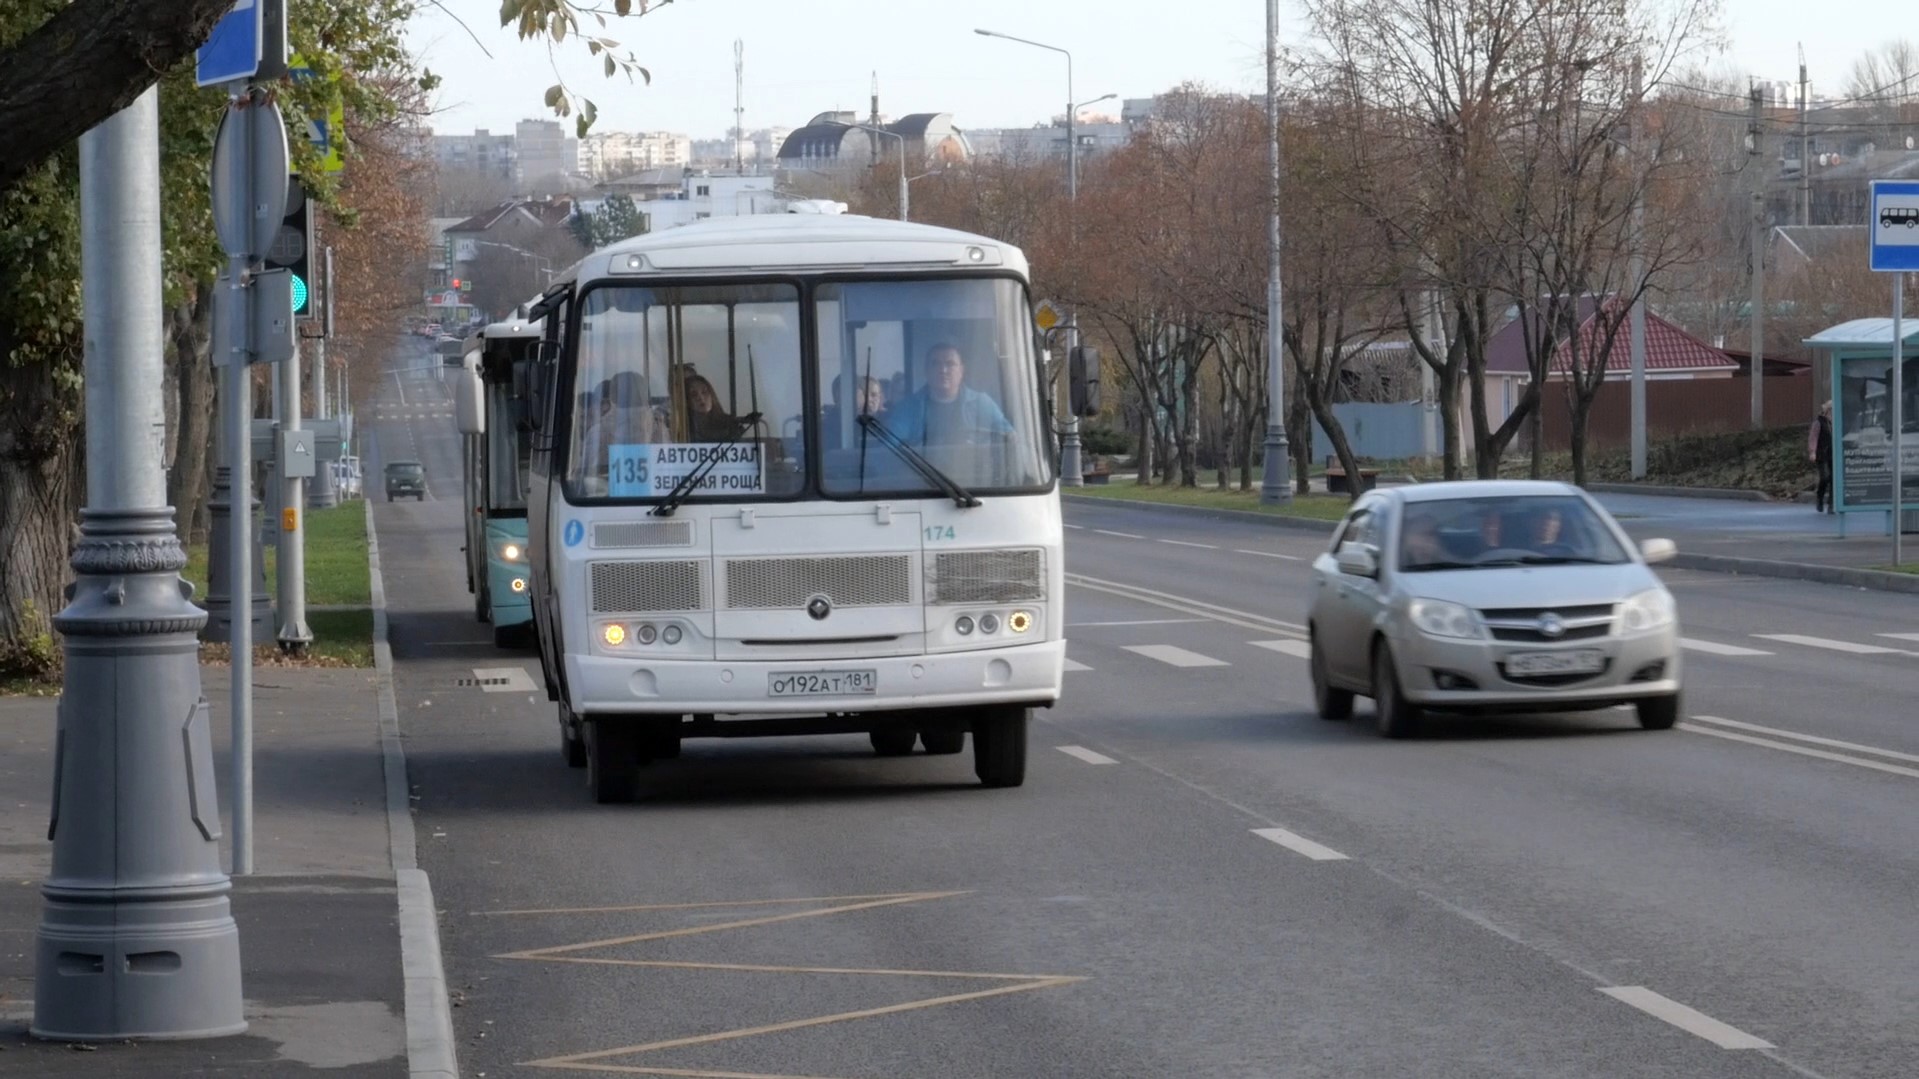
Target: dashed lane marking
{"points": [[1269, 554], [1287, 647], [1717, 649], [1299, 844], [1690, 1020], [1086, 755], [1075, 665], [1138, 622], [1832, 645], [1121, 535], [1174, 656], [1186, 543]]}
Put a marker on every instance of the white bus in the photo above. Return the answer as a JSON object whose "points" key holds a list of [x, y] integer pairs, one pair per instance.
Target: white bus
{"points": [[794, 474]]}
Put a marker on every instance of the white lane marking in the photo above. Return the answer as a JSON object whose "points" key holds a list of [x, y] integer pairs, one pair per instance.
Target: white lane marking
{"points": [[1717, 649], [512, 679], [1121, 535], [1901, 636], [1299, 844], [1245, 619], [1786, 747], [1076, 665], [1835, 743], [400, 384], [1074, 528], [1174, 656], [1139, 622], [1690, 1020], [1086, 755], [1269, 554], [1832, 645], [1183, 543], [1288, 647]]}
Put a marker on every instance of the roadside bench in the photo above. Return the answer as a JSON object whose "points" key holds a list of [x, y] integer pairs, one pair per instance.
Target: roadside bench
{"points": [[1336, 482]]}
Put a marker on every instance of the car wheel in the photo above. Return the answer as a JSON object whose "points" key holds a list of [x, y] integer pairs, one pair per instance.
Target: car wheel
{"points": [[1395, 716], [612, 760], [1658, 713], [999, 746], [943, 741], [572, 741], [893, 741], [1332, 703]]}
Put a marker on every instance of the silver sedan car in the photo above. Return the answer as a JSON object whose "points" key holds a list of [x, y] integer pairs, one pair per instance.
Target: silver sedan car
{"points": [[1492, 595]]}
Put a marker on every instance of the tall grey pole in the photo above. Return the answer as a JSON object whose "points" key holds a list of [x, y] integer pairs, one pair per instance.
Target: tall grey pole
{"points": [[1898, 413], [905, 194], [1274, 488], [137, 938], [290, 568], [1636, 269], [1805, 148], [1072, 472], [1757, 314], [322, 494]]}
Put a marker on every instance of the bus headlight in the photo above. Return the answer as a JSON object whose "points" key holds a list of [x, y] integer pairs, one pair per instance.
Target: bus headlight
{"points": [[519, 584], [648, 634], [670, 635], [963, 627], [512, 552], [989, 623], [614, 634]]}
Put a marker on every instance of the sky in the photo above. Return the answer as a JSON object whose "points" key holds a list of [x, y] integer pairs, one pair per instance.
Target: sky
{"points": [[808, 56]]}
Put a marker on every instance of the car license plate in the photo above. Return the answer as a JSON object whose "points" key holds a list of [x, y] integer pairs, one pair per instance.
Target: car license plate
{"points": [[821, 683], [1584, 661]]}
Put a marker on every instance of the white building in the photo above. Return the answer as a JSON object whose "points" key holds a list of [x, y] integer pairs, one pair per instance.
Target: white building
{"points": [[706, 194], [620, 153]]}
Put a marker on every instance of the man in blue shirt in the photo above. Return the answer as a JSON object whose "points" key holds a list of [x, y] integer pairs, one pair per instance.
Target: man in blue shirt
{"points": [[944, 411]]}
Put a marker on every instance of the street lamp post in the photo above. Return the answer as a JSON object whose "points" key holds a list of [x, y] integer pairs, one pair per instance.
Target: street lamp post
{"points": [[1273, 486], [1070, 473], [905, 195]]}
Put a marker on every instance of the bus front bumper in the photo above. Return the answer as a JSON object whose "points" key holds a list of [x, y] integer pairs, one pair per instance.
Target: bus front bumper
{"points": [[1023, 674]]}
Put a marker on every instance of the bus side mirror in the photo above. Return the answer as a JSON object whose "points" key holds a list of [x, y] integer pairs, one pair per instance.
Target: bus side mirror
{"points": [[468, 405], [1083, 370]]}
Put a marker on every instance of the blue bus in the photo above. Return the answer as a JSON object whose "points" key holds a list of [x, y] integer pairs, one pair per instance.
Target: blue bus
{"points": [[495, 454]]}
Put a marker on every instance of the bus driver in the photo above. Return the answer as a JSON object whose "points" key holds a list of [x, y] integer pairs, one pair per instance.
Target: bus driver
{"points": [[944, 410]]}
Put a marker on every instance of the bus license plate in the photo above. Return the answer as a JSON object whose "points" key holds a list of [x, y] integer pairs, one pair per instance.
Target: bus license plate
{"points": [[1584, 661], [821, 684]]}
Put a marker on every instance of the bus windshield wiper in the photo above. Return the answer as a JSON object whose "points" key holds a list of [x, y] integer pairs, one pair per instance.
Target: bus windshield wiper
{"points": [[684, 489], [928, 471]]}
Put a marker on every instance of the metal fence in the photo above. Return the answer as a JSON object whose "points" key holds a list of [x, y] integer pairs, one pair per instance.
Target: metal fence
{"points": [[1676, 407], [1379, 432]]}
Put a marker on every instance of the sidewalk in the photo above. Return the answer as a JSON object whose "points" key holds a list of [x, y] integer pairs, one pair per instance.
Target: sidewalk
{"points": [[319, 937], [1779, 539]]}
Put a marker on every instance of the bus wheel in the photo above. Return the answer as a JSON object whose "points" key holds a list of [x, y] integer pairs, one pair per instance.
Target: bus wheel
{"points": [[893, 741], [572, 739], [612, 759], [999, 746], [943, 741]]}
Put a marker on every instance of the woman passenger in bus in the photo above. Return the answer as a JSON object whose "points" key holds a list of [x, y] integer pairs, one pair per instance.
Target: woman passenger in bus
{"points": [[706, 421]]}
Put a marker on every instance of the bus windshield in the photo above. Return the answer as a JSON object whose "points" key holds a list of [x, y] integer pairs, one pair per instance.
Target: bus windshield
{"points": [[666, 376], [507, 451], [947, 366]]}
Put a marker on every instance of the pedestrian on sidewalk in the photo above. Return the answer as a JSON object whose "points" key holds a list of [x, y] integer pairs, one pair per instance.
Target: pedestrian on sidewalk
{"points": [[1819, 448]]}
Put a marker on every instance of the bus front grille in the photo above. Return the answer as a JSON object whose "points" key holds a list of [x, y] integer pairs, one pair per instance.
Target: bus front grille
{"points": [[657, 584], [788, 583], [613, 534], [1016, 576]]}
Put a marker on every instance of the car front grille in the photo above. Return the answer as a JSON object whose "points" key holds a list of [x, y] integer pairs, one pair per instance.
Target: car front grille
{"points": [[1581, 622]]}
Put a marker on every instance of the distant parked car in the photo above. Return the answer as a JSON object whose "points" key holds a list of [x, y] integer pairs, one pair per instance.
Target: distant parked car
{"points": [[1484, 596], [406, 478]]}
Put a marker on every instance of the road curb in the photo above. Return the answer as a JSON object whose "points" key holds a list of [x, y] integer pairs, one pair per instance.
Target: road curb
{"points": [[1845, 576], [429, 1017], [1274, 520], [1730, 494]]}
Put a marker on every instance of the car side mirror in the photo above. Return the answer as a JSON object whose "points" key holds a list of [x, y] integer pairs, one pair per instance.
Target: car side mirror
{"points": [[1658, 550], [1357, 561], [1082, 364]]}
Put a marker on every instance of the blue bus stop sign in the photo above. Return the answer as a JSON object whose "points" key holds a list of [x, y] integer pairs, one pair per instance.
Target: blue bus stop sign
{"points": [[1894, 225], [232, 51]]}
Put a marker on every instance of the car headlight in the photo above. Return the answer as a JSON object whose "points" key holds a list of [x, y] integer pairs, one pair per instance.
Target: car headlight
{"points": [[1443, 618], [1647, 610]]}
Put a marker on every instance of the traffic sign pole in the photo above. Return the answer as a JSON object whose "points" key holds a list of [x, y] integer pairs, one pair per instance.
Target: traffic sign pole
{"points": [[137, 937], [1894, 227]]}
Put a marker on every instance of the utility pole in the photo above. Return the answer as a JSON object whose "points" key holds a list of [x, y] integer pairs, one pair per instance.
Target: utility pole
{"points": [[323, 495], [1634, 273], [1755, 141], [1805, 147], [137, 938], [294, 463], [1274, 488]]}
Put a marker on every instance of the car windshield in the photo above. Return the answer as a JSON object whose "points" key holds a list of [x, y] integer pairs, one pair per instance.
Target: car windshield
{"points": [[1477, 533], [667, 376], [406, 472], [947, 366]]}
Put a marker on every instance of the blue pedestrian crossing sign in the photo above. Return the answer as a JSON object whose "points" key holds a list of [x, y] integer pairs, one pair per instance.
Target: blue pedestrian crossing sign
{"points": [[233, 50], [1894, 225]]}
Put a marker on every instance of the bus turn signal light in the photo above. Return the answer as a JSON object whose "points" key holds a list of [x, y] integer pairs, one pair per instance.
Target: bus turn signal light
{"points": [[1019, 621], [614, 634]]}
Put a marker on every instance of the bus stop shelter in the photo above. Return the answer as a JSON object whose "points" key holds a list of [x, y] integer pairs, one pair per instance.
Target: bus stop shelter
{"points": [[1858, 377]]}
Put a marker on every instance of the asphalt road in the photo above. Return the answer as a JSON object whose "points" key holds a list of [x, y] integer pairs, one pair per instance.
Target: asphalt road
{"points": [[1199, 878]]}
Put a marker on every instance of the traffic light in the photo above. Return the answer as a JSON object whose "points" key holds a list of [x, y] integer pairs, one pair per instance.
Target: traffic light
{"points": [[292, 246]]}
